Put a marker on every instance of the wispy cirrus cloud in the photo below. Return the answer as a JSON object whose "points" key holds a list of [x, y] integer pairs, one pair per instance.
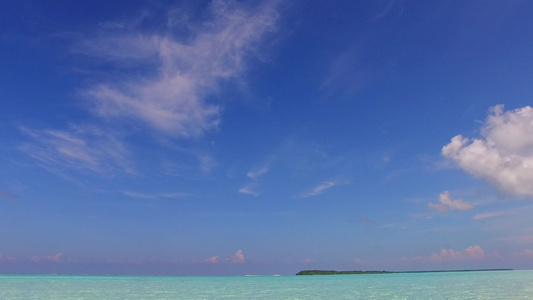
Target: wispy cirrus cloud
{"points": [[447, 203], [171, 98], [8, 195], [487, 215], [139, 195], [157, 76], [347, 73], [504, 154], [321, 188], [251, 188], [517, 239], [248, 190], [154, 196], [78, 147], [255, 174]]}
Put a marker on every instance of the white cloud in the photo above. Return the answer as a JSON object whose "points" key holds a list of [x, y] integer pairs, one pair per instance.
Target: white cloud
{"points": [[139, 195], [7, 258], [504, 154], [487, 215], [321, 188], [238, 257], [447, 203], [78, 147], [472, 252], [160, 78], [346, 74], [53, 258], [211, 260], [207, 163], [248, 190], [358, 260], [173, 195], [7, 195], [257, 173], [154, 196], [172, 98], [308, 261], [526, 253], [521, 239]]}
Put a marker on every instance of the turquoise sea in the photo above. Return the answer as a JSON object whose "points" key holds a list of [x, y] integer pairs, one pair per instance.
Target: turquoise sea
{"points": [[447, 285]]}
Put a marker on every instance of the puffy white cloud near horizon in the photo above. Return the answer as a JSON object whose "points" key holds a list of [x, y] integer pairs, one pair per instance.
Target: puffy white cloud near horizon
{"points": [[52, 258], [447, 203], [308, 261], [504, 154], [471, 252], [7, 258], [238, 257], [526, 253], [212, 260]]}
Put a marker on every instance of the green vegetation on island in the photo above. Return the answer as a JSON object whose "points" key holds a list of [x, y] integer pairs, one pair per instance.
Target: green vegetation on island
{"points": [[331, 272]]}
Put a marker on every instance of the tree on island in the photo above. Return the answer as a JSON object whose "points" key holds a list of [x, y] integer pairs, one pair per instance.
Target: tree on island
{"points": [[331, 272]]}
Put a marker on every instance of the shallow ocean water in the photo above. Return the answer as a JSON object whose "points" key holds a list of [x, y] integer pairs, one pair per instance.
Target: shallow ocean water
{"points": [[447, 285]]}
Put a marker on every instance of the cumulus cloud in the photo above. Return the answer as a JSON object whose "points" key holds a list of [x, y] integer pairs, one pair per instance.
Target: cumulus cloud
{"points": [[172, 98], [211, 260], [238, 257], [472, 252], [527, 253], [447, 203], [51, 258], [320, 188], [358, 260], [7, 258], [504, 154]]}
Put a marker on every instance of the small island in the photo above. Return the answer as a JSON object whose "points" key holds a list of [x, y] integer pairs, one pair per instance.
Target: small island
{"points": [[331, 272]]}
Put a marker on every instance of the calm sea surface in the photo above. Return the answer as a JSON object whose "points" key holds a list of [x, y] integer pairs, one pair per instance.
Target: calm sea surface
{"points": [[452, 285]]}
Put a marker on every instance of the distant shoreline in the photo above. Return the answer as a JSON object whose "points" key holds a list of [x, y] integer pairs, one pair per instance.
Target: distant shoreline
{"points": [[333, 272]]}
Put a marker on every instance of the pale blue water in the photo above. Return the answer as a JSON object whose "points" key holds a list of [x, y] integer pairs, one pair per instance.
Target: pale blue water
{"points": [[453, 285]]}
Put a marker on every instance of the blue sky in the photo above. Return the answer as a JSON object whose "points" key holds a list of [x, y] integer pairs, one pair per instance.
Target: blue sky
{"points": [[261, 137]]}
